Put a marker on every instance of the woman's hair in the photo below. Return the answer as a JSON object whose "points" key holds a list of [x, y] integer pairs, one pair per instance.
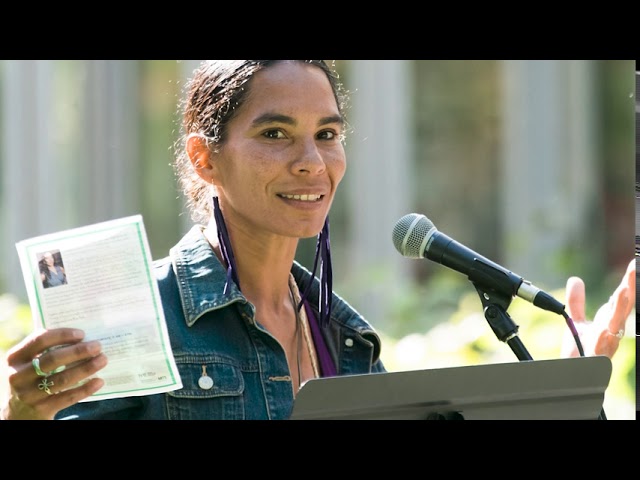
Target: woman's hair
{"points": [[44, 268], [210, 100]]}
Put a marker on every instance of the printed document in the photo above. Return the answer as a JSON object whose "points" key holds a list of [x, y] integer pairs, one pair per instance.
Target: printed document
{"points": [[99, 278]]}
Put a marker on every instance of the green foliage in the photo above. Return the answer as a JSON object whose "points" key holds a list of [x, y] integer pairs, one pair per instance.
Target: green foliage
{"points": [[409, 306], [422, 306], [15, 322], [467, 339]]}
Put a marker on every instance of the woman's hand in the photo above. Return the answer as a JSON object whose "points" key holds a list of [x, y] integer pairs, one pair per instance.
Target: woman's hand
{"points": [[61, 379], [601, 336]]}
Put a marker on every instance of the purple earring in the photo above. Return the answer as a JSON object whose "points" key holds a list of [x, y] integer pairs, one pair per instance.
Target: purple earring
{"points": [[323, 252], [225, 246]]}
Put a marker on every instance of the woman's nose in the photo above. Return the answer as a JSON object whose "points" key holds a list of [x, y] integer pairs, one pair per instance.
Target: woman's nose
{"points": [[310, 159]]}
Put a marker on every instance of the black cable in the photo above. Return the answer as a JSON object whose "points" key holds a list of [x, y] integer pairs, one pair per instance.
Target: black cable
{"points": [[576, 337]]}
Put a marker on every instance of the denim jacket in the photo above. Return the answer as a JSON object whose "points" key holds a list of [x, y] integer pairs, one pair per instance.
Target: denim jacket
{"points": [[217, 332]]}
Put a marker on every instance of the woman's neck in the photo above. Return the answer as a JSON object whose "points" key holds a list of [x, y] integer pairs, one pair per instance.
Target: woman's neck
{"points": [[262, 264]]}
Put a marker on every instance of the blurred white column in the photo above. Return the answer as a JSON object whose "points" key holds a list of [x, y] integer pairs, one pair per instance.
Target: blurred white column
{"points": [[29, 176], [108, 159], [69, 149], [379, 159], [548, 182]]}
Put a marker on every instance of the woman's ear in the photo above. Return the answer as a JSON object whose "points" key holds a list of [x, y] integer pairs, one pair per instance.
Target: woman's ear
{"points": [[200, 155]]}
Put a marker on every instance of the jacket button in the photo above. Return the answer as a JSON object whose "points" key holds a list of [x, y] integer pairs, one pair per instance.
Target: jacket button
{"points": [[205, 382], [349, 342]]}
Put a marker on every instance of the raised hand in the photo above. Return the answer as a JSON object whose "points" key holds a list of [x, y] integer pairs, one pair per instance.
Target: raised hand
{"points": [[602, 335]]}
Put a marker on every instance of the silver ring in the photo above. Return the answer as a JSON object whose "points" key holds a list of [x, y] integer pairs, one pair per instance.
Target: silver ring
{"points": [[36, 366], [45, 384], [618, 335]]}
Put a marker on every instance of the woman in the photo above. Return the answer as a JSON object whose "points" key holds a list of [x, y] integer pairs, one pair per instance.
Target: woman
{"points": [[262, 158], [51, 274]]}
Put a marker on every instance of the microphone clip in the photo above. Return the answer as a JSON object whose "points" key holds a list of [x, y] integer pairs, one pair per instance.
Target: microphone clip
{"points": [[495, 307]]}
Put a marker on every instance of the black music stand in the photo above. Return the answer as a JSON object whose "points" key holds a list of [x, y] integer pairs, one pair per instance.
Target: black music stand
{"points": [[558, 389]]}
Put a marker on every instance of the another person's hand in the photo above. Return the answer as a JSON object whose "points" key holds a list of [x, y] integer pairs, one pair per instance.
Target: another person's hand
{"points": [[602, 335], [61, 379]]}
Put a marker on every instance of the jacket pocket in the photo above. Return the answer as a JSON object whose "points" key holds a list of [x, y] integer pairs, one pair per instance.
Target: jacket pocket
{"points": [[212, 389]]}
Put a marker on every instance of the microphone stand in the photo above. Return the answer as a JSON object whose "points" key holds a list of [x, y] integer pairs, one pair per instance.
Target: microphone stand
{"points": [[495, 311]]}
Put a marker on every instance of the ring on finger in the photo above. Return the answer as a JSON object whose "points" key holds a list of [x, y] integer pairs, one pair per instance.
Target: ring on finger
{"points": [[45, 384], [36, 366], [57, 370], [618, 335]]}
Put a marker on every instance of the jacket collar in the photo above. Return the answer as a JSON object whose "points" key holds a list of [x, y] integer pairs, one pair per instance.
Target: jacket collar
{"points": [[200, 276], [201, 279]]}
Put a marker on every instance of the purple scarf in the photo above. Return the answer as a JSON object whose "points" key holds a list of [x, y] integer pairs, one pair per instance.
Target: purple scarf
{"points": [[327, 367]]}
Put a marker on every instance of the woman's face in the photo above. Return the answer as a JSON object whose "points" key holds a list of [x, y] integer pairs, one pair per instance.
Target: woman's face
{"points": [[48, 258], [282, 160]]}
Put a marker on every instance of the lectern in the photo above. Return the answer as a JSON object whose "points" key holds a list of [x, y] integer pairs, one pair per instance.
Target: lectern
{"points": [[557, 389]]}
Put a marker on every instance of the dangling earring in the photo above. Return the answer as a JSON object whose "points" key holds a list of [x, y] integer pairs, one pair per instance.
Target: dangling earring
{"points": [[323, 253], [225, 245]]}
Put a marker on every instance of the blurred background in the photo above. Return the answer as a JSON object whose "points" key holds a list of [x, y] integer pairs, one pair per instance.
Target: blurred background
{"points": [[527, 162]]}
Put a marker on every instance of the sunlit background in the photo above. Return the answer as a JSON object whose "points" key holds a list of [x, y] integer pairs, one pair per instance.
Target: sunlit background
{"points": [[528, 162]]}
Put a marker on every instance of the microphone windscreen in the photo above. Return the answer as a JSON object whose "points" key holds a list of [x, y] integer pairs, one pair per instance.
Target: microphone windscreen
{"points": [[410, 234]]}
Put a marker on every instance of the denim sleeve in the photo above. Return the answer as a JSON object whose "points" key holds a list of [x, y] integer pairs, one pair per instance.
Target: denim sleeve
{"points": [[129, 408]]}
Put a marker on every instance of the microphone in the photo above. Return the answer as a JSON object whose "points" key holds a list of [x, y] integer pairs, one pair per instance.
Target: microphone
{"points": [[415, 236]]}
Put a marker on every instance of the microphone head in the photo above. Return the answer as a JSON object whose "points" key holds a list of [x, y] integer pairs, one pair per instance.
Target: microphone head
{"points": [[411, 233]]}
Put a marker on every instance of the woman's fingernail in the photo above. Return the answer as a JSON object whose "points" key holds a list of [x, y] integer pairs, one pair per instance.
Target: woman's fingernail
{"points": [[76, 333], [94, 347]]}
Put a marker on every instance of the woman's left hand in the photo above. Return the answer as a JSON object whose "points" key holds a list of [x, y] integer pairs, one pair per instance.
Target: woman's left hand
{"points": [[602, 335]]}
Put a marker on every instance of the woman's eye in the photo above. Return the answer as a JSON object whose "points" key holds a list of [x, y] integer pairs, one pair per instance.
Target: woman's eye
{"points": [[273, 134], [327, 135]]}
